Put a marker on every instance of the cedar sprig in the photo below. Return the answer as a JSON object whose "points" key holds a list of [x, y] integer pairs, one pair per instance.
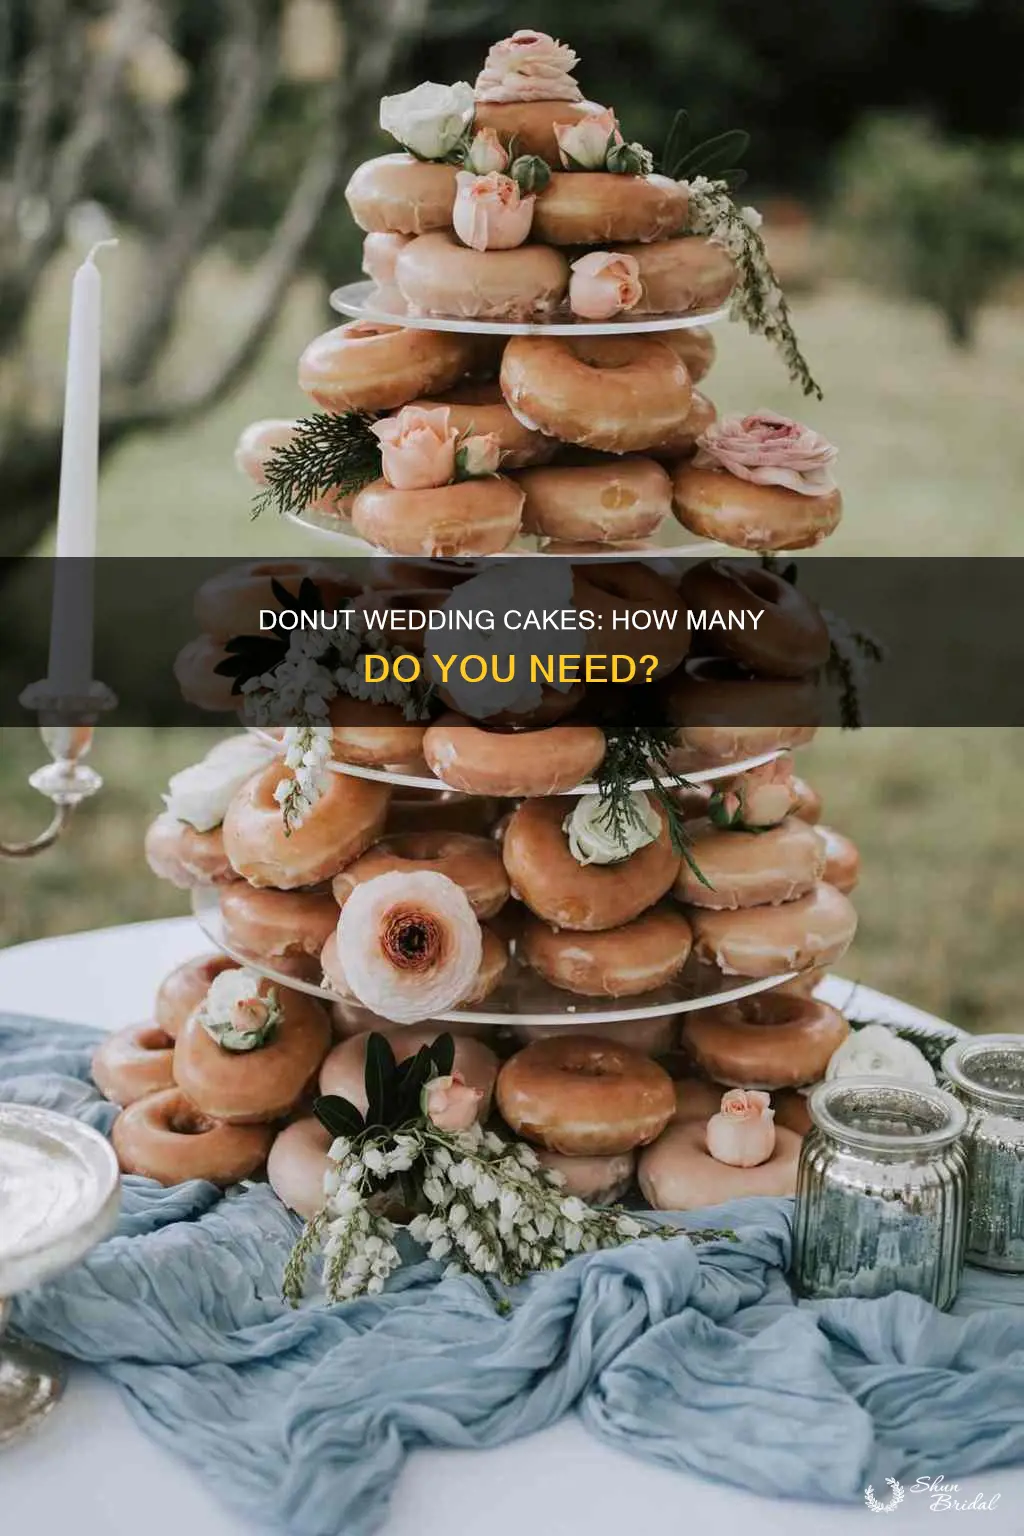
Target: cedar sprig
{"points": [[326, 453], [642, 752], [848, 648]]}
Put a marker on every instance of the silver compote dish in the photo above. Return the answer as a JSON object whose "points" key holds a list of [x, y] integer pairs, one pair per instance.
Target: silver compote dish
{"points": [[59, 1196]]}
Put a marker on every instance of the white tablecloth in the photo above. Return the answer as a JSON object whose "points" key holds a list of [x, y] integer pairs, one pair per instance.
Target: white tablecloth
{"points": [[91, 1472]]}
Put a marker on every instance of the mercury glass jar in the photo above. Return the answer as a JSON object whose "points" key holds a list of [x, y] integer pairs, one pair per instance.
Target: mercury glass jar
{"points": [[881, 1191], [987, 1074]]}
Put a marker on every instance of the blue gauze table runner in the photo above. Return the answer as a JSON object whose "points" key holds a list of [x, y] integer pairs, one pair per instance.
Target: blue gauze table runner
{"points": [[697, 1359]]}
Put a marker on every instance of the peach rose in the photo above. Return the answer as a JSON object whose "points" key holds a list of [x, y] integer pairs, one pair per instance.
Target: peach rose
{"points": [[761, 797], [528, 66], [583, 145], [490, 213], [380, 252], [417, 447], [767, 449], [742, 1134], [486, 153], [450, 1104], [250, 1017], [479, 455], [603, 284]]}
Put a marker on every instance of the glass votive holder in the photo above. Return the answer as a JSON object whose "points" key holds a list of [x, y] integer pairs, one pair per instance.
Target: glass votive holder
{"points": [[986, 1073], [881, 1192]]}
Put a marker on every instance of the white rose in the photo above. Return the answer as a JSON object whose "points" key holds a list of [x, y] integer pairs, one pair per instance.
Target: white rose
{"points": [[594, 840], [874, 1051], [202, 793], [513, 588], [429, 120]]}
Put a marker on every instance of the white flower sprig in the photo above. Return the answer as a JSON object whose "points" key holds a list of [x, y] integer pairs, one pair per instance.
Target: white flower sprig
{"points": [[491, 1209], [757, 299]]}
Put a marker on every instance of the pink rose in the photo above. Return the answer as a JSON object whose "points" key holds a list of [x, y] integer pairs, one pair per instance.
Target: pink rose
{"points": [[766, 794], [450, 1104], [380, 252], [603, 284], [528, 66], [491, 214], [250, 1016], [417, 447], [583, 145], [769, 450], [479, 455], [486, 153], [742, 1134]]}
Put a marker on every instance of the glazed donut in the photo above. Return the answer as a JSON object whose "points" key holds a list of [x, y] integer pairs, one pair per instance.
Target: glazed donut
{"points": [[584, 1096], [133, 1062], [772, 1040], [616, 393], [343, 1071], [420, 810], [764, 941], [470, 517], [718, 505], [532, 123], [259, 441], [616, 499], [438, 275], [751, 869], [371, 735], [250, 1087], [696, 346], [195, 672], [594, 1180], [398, 194], [808, 802], [367, 366], [615, 962], [791, 638], [842, 860], [616, 591], [229, 603], [472, 862], [689, 272], [762, 796], [480, 408], [791, 1111], [493, 964], [724, 713], [297, 1164], [606, 209], [696, 1100], [588, 897], [679, 1174], [175, 851], [380, 252], [284, 929], [681, 441], [510, 763], [804, 985], [344, 821], [183, 989], [164, 1137], [651, 1037]]}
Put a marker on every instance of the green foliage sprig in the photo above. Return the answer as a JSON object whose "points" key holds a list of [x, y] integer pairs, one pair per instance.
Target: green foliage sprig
{"points": [[642, 752], [717, 157], [327, 454]]}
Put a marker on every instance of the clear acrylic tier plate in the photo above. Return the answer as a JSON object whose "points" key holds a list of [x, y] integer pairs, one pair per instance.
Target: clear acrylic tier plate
{"points": [[523, 998], [366, 301]]}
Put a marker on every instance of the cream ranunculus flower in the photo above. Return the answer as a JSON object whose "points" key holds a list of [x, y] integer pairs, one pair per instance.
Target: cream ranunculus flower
{"points": [[875, 1051], [742, 1134], [528, 66], [411, 944], [583, 145], [201, 794], [417, 447], [592, 837], [429, 120]]}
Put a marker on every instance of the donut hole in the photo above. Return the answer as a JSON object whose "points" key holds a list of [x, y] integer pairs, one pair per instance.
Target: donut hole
{"points": [[186, 1120], [154, 1039]]}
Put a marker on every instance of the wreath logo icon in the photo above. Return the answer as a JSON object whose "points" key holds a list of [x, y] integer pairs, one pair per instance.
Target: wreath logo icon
{"points": [[876, 1506]]}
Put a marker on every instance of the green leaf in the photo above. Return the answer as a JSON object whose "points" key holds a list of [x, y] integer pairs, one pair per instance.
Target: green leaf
{"points": [[410, 1079], [724, 150], [676, 141], [380, 1080], [443, 1055], [338, 1116]]}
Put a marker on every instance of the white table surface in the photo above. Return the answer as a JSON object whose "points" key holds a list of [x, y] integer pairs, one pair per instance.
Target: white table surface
{"points": [[90, 1471]]}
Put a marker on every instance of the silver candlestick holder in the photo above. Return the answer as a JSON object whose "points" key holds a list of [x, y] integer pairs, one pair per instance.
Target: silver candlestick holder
{"points": [[66, 724]]}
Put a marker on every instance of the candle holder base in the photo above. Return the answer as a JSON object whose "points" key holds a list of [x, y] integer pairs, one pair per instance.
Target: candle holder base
{"points": [[66, 725], [32, 1382]]}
